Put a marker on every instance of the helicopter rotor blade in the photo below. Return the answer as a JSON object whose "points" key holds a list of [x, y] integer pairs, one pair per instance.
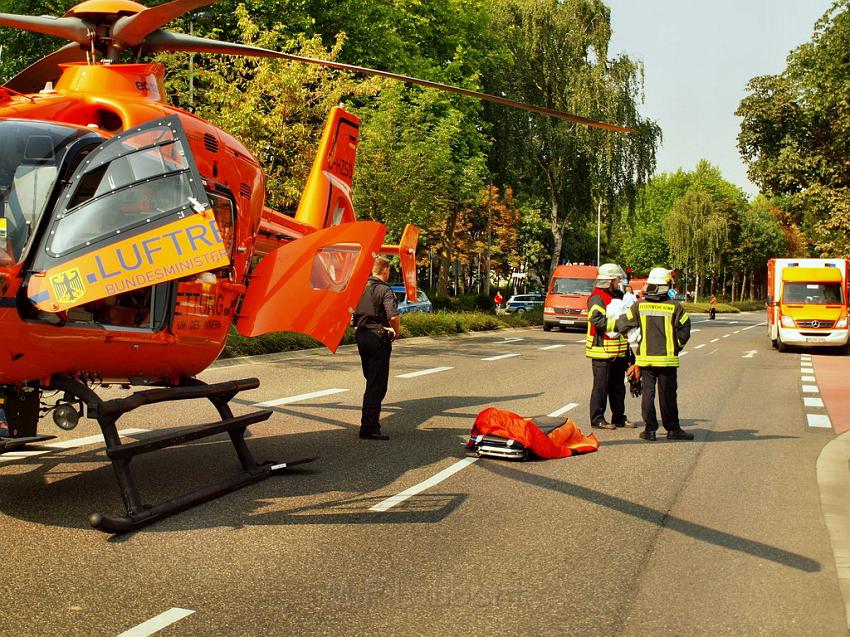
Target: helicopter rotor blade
{"points": [[131, 30], [161, 40], [73, 29], [36, 75]]}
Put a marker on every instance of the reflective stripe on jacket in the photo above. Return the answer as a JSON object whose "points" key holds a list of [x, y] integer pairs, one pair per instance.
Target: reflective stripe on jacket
{"points": [[665, 327], [597, 343]]}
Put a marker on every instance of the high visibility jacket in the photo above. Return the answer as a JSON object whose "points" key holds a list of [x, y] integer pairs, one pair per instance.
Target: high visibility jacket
{"points": [[597, 343], [665, 328]]}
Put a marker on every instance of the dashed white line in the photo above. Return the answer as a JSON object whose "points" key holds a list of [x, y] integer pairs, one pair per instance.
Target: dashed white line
{"points": [[424, 372], [156, 624], [738, 332], [714, 340], [726, 335], [511, 340], [808, 379], [700, 346], [819, 420], [63, 444], [581, 340], [810, 389], [393, 500], [812, 401], [562, 410], [299, 397], [697, 330], [552, 347], [499, 357], [682, 353]]}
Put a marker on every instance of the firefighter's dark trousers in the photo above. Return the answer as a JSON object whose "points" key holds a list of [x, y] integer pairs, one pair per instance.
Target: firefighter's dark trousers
{"points": [[609, 376], [375, 353], [665, 378]]}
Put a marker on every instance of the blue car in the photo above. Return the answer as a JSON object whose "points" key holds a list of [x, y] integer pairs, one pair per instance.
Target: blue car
{"points": [[421, 304]]}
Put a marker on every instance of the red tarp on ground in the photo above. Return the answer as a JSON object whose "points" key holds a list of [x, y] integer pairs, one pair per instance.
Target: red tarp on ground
{"points": [[562, 442]]}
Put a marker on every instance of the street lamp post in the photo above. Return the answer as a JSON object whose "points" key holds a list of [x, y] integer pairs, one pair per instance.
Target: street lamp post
{"points": [[598, 231]]}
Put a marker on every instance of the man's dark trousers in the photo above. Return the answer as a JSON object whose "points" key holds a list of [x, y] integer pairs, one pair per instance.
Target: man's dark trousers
{"points": [[665, 377], [608, 386], [375, 350]]}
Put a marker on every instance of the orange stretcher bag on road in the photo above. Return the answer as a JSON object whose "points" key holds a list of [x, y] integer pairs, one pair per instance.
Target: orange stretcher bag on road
{"points": [[503, 434]]}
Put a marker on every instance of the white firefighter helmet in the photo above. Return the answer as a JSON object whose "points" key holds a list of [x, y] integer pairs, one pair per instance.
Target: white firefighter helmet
{"points": [[609, 272], [658, 282], [659, 276]]}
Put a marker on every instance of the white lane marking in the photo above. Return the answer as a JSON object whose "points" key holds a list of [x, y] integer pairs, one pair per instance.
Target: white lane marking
{"points": [[700, 346], [424, 372], [819, 420], [812, 401], [750, 353], [393, 500], [808, 379], [807, 366], [512, 340], [752, 326], [581, 340], [738, 332], [156, 624], [552, 347], [682, 353], [696, 330], [63, 444], [806, 357], [295, 399], [714, 340], [726, 335], [732, 322], [562, 410], [499, 357], [810, 389]]}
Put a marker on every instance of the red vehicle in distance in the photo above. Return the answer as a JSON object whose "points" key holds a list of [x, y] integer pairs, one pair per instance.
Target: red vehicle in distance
{"points": [[566, 298]]}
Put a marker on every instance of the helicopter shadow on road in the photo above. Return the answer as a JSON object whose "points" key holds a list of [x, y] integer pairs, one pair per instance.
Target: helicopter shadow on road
{"points": [[350, 475], [660, 518]]}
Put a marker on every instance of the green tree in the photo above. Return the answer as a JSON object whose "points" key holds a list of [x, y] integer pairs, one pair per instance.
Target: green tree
{"points": [[794, 133]]}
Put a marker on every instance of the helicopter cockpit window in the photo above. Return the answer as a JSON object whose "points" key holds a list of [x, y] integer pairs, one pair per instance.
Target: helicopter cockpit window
{"points": [[30, 156], [134, 187], [223, 210]]}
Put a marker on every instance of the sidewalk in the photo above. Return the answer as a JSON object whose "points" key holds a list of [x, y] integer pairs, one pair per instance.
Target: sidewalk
{"points": [[833, 467]]}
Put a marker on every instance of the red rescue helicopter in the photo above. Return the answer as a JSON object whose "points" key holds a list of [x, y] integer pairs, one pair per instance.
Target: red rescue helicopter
{"points": [[133, 234]]}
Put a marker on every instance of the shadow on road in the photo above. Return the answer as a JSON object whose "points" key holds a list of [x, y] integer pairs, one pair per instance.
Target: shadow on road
{"points": [[660, 518]]}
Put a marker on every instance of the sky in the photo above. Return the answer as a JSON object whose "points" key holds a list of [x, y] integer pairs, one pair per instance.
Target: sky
{"points": [[698, 56]]}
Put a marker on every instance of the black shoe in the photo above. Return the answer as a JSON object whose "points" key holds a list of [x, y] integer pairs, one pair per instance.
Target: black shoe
{"points": [[679, 434], [647, 435], [603, 425], [373, 435], [628, 424]]}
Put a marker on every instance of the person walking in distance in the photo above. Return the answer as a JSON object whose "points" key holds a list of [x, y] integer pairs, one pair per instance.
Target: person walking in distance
{"points": [[665, 329], [377, 324], [607, 352], [712, 308]]}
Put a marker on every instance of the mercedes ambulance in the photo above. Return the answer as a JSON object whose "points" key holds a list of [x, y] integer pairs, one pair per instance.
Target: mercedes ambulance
{"points": [[807, 302], [566, 298]]}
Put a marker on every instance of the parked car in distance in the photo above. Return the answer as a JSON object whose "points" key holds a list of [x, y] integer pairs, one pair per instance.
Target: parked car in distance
{"points": [[520, 303], [421, 304]]}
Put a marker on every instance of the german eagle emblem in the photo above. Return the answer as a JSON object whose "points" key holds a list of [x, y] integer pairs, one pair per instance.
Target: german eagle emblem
{"points": [[68, 286]]}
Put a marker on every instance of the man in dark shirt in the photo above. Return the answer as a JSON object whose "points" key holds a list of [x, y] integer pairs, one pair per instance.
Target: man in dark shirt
{"points": [[377, 324]]}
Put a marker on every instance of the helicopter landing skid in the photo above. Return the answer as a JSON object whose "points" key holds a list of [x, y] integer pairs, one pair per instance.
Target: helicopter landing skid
{"points": [[107, 414]]}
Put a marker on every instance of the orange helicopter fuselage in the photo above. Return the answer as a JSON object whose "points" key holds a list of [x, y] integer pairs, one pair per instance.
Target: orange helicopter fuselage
{"points": [[108, 99]]}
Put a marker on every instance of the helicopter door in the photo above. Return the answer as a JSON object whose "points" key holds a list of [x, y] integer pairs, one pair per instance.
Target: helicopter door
{"points": [[134, 215], [312, 284]]}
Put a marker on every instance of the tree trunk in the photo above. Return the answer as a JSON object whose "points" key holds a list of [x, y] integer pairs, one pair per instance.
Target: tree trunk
{"points": [[734, 286], [446, 255], [723, 289], [743, 287], [487, 252]]}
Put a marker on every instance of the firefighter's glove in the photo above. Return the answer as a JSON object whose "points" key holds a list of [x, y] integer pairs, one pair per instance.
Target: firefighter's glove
{"points": [[633, 376]]}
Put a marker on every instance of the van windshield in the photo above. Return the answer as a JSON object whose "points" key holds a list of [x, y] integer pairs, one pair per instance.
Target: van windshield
{"points": [[812, 293], [579, 287]]}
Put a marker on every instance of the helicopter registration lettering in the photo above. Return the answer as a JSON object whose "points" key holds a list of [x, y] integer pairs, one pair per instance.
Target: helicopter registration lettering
{"points": [[183, 247]]}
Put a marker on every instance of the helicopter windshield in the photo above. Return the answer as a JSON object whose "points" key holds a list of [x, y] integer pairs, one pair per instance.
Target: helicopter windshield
{"points": [[30, 156]]}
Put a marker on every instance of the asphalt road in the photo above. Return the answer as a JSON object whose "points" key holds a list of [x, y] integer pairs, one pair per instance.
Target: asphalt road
{"points": [[722, 535]]}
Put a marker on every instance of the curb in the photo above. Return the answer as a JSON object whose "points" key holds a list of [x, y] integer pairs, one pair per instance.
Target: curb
{"points": [[833, 475]]}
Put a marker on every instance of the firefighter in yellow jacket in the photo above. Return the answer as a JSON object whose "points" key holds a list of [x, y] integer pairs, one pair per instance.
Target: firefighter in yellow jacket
{"points": [[609, 354], [665, 328]]}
